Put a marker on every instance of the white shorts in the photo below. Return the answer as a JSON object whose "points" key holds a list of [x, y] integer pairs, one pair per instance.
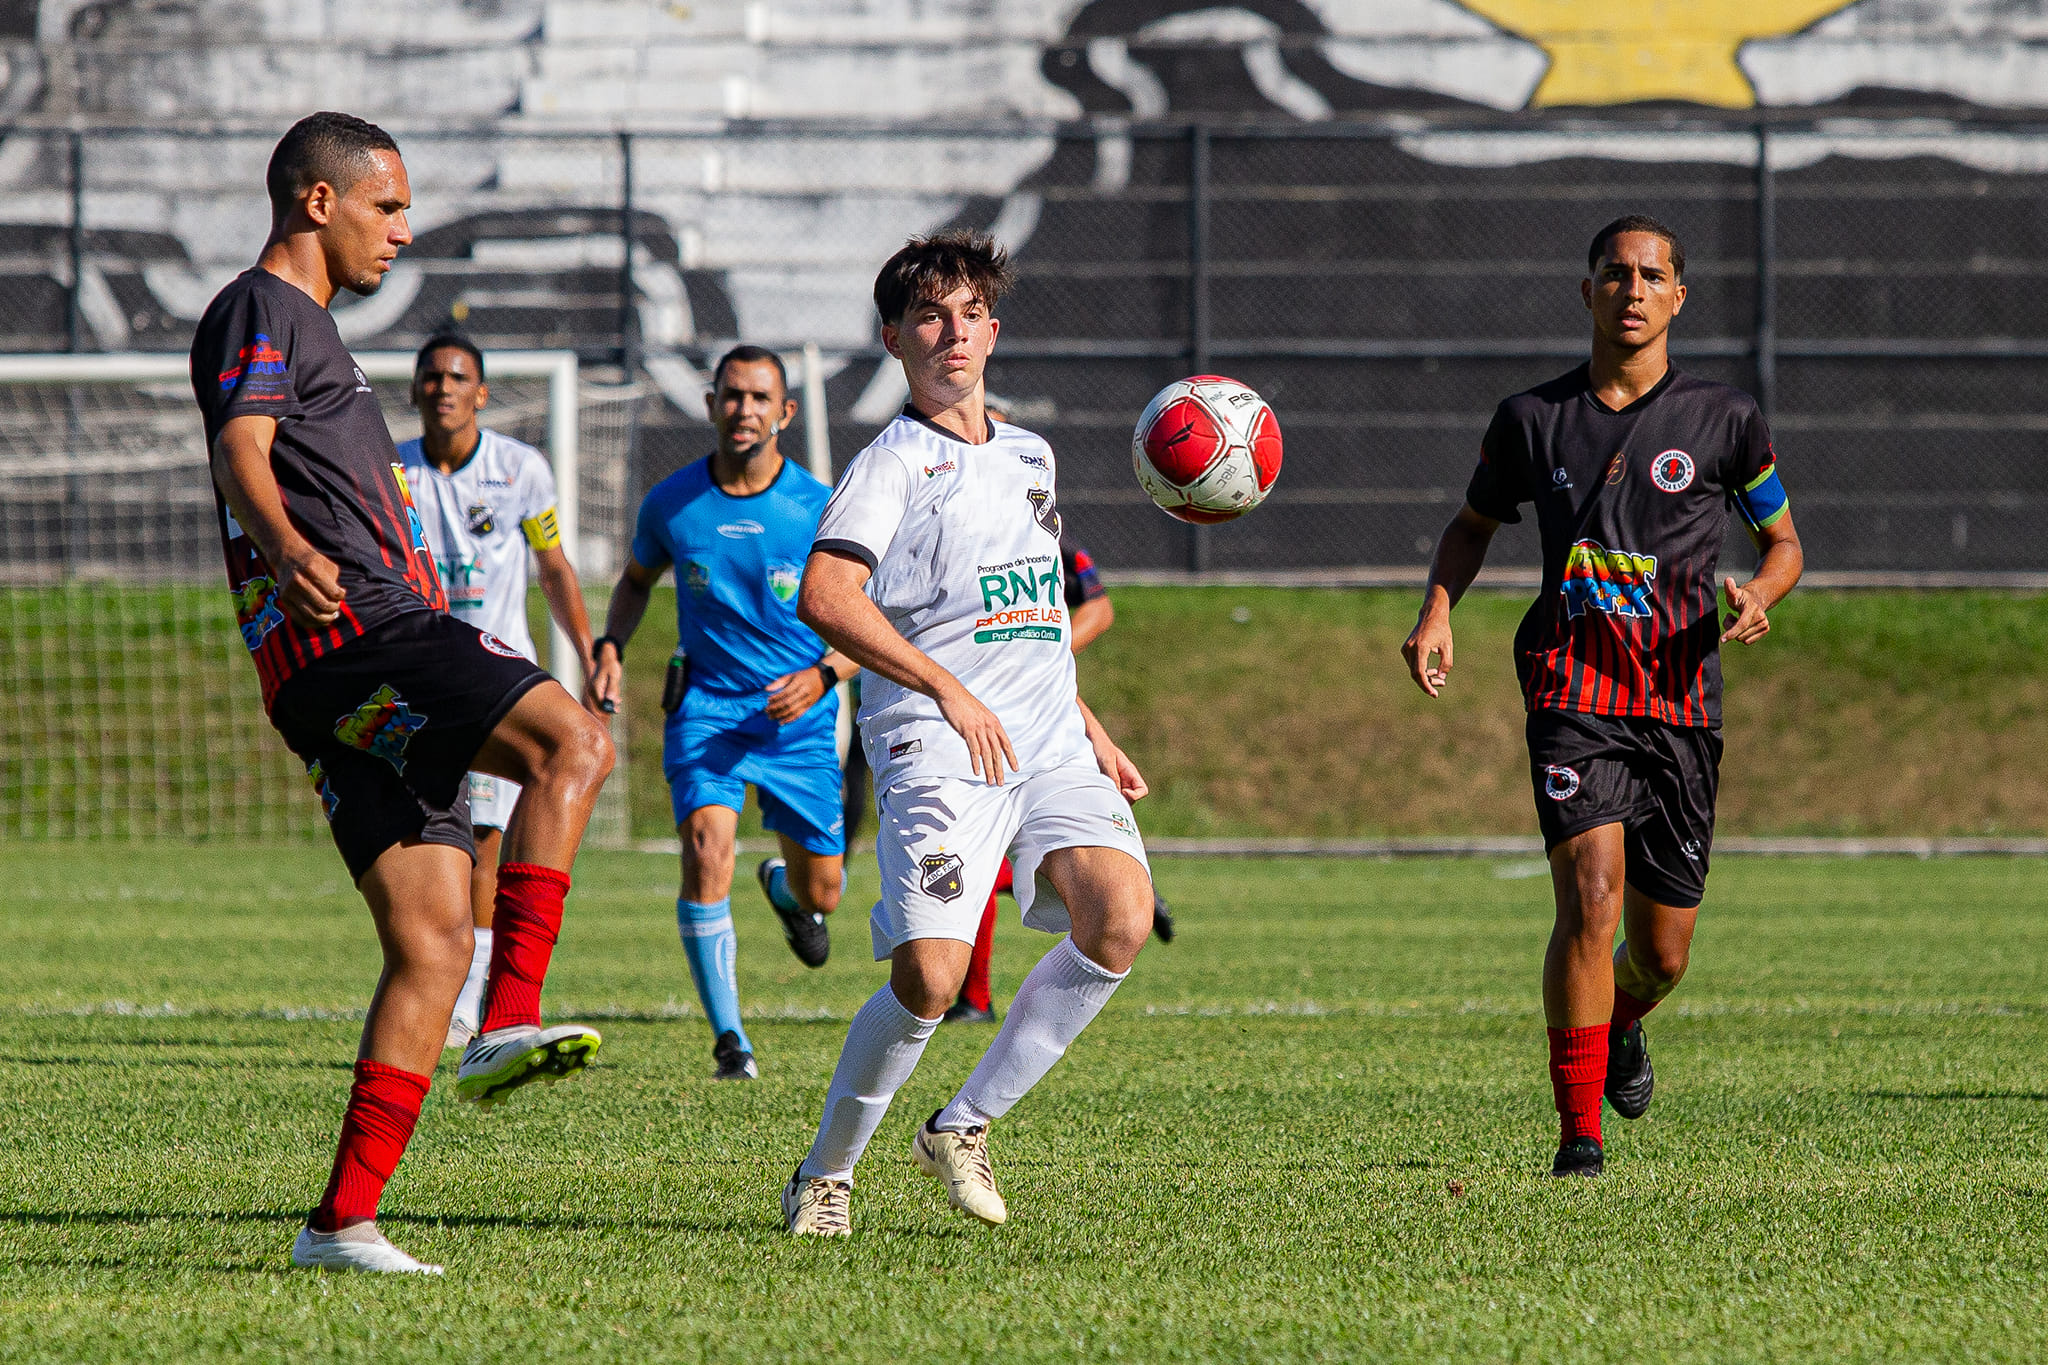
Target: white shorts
{"points": [[490, 801], [942, 840]]}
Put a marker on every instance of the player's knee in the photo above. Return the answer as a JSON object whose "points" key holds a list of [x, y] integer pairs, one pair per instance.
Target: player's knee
{"points": [[823, 890], [1662, 963], [925, 988]]}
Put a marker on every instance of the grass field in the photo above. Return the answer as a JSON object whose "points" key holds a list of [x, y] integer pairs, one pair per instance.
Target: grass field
{"points": [[1310, 1129]]}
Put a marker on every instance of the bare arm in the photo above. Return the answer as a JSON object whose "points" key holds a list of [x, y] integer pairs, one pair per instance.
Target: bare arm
{"points": [[1114, 762], [565, 604], [833, 602], [629, 603], [308, 583], [1091, 618], [1459, 554], [1776, 575], [792, 694]]}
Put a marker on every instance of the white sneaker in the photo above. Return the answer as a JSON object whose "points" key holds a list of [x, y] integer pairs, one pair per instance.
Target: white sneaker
{"points": [[959, 1161], [357, 1247], [817, 1207], [499, 1062]]}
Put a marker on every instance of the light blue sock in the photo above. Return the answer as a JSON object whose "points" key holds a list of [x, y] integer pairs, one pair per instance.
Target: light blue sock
{"points": [[710, 945]]}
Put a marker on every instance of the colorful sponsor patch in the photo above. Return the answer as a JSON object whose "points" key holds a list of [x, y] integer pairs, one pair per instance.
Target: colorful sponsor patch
{"points": [[932, 471], [939, 875], [1618, 582], [1672, 471], [908, 746], [696, 577], [381, 727], [412, 515], [1560, 783], [784, 579], [466, 584], [258, 358], [316, 772], [497, 646], [256, 611]]}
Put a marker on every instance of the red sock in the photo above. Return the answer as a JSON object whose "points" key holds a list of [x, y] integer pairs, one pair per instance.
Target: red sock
{"points": [[975, 989], [383, 1106], [1578, 1073], [1628, 1009], [1006, 878], [524, 925]]}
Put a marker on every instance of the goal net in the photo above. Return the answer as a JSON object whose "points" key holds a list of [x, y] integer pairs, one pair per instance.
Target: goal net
{"points": [[128, 706]]}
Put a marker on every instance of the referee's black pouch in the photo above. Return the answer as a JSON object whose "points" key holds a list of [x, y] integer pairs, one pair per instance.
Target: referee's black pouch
{"points": [[676, 683]]}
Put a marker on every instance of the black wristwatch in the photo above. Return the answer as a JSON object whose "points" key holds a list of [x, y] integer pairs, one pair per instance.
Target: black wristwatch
{"points": [[829, 674], [601, 641]]}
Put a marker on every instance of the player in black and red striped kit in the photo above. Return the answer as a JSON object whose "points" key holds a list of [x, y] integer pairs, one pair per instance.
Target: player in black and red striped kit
{"points": [[1633, 468], [387, 699]]}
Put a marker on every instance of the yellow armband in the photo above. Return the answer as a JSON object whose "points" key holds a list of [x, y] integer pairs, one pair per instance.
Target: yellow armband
{"points": [[541, 532]]}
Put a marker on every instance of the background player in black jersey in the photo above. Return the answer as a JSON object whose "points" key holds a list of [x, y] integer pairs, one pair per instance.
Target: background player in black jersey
{"points": [[1633, 467], [389, 700]]}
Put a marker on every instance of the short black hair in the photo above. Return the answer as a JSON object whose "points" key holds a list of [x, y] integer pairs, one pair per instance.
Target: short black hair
{"points": [[744, 354], [449, 341], [1636, 222], [933, 267], [324, 146]]}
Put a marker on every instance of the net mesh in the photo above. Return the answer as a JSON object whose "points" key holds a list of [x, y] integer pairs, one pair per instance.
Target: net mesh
{"points": [[128, 707]]}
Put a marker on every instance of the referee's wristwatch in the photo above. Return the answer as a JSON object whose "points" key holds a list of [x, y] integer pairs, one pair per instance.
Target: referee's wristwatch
{"points": [[828, 673], [597, 647]]}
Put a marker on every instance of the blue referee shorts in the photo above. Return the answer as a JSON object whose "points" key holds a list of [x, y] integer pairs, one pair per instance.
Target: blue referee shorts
{"points": [[715, 746]]}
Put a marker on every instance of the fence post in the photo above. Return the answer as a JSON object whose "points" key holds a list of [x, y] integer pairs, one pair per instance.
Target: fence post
{"points": [[74, 313], [75, 532], [628, 320], [1766, 275], [1198, 294]]}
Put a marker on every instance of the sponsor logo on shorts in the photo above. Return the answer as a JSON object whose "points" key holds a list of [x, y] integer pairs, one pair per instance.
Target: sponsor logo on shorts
{"points": [[1672, 471], [784, 579], [381, 726], [939, 874], [497, 646], [1560, 783], [1617, 582], [316, 772], [1044, 509], [256, 611], [908, 746], [932, 471], [482, 520], [1124, 823], [741, 529], [1691, 849]]}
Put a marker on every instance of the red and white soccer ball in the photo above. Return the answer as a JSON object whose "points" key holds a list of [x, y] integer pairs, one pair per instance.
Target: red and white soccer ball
{"points": [[1207, 449]]}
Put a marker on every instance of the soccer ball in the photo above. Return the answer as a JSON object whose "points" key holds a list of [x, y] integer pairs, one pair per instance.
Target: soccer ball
{"points": [[1207, 449]]}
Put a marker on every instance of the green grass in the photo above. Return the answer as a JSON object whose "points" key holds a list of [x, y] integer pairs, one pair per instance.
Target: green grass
{"points": [[1249, 1156]]}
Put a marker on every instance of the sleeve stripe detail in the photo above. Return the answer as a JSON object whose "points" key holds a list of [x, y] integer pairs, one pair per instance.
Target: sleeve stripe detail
{"points": [[851, 547], [542, 532]]}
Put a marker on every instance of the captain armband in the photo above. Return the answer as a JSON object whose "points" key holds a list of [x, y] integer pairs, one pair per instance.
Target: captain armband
{"points": [[542, 532], [1764, 500]]}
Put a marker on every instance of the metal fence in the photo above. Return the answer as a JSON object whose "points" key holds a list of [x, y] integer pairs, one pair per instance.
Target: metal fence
{"points": [[1877, 283]]}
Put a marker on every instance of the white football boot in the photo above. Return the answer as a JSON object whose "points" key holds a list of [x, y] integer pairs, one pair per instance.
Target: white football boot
{"points": [[817, 1207], [959, 1161], [499, 1062], [357, 1247]]}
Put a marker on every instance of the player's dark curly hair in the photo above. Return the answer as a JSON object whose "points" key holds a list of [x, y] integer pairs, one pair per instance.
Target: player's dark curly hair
{"points": [[933, 267], [326, 146], [1636, 222]]}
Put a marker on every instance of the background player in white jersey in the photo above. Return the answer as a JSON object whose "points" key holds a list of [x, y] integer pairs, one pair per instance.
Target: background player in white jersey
{"points": [[937, 569], [484, 499]]}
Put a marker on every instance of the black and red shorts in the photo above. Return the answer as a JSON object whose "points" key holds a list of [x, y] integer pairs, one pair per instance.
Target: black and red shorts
{"points": [[1657, 781], [387, 726]]}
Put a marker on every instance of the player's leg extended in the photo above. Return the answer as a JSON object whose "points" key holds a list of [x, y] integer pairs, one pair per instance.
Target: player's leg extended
{"points": [[483, 891], [1652, 956], [418, 897], [1587, 873], [800, 789], [704, 922]]}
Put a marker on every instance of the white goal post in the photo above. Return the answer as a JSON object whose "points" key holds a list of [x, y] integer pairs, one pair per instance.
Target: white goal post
{"points": [[129, 712]]}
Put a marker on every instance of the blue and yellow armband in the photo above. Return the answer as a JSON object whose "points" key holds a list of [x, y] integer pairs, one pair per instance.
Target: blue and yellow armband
{"points": [[1764, 500]]}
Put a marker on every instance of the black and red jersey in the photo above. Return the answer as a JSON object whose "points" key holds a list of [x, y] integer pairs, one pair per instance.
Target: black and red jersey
{"points": [[264, 348], [1632, 506], [1082, 581]]}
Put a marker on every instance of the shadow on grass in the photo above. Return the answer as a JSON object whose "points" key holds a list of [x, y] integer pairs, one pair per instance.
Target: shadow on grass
{"points": [[1950, 1095], [194, 1063]]}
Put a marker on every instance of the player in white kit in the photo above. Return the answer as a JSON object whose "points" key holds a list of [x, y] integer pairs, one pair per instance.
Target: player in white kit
{"points": [[937, 569], [484, 500]]}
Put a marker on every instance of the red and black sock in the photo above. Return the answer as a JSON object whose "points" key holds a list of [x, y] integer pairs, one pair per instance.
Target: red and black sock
{"points": [[1628, 1009], [975, 990], [1578, 1073], [524, 925], [383, 1106]]}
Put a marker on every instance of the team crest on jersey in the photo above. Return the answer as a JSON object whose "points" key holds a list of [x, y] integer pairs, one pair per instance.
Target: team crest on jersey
{"points": [[497, 646], [381, 727], [1672, 471], [940, 875], [784, 579], [482, 520], [696, 577], [256, 611], [316, 773], [1560, 783], [1617, 582], [1045, 509]]}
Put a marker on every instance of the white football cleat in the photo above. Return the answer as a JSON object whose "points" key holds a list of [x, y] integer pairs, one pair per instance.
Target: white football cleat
{"points": [[959, 1161], [357, 1247], [499, 1062], [817, 1207], [460, 1031]]}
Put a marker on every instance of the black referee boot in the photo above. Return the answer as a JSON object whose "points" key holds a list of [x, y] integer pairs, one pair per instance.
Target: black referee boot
{"points": [[1580, 1156], [1629, 1077]]}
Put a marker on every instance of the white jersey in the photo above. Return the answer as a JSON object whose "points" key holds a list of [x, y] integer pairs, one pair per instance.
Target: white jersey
{"points": [[479, 522], [964, 544]]}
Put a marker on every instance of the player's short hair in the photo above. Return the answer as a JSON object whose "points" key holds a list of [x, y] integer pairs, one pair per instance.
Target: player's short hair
{"points": [[1636, 222], [745, 354], [326, 146], [449, 341], [933, 267]]}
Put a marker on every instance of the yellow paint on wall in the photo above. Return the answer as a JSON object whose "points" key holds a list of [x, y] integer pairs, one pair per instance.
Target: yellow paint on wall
{"points": [[1617, 51]]}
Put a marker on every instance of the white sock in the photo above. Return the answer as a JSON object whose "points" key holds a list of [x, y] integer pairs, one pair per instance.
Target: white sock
{"points": [[882, 1047], [469, 1005], [1062, 993]]}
